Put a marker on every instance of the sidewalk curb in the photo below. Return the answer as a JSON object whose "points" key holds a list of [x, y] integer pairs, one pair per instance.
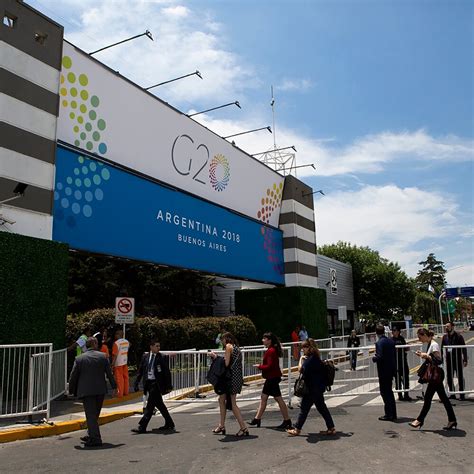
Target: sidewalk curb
{"points": [[58, 428]]}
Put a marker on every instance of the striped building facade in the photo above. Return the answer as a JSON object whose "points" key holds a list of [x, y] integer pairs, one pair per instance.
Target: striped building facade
{"points": [[299, 237], [30, 63]]}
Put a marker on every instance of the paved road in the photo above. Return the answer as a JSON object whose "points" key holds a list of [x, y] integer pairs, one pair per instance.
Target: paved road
{"points": [[363, 444]]}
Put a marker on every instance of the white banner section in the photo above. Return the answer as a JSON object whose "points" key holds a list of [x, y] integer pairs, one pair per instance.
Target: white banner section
{"points": [[103, 113]]}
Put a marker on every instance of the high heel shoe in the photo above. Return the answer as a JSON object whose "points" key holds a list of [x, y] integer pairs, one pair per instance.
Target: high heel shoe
{"points": [[242, 432], [255, 422], [416, 424], [286, 425], [219, 430], [451, 425]]}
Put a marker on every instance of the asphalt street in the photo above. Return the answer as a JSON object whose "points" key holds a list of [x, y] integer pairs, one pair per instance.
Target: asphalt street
{"points": [[363, 444]]}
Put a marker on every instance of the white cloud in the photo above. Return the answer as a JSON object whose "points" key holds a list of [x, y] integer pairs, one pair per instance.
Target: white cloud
{"points": [[185, 40], [299, 85], [403, 224]]}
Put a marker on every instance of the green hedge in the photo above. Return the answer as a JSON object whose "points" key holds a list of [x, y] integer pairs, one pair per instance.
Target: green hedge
{"points": [[33, 286], [173, 334], [280, 309]]}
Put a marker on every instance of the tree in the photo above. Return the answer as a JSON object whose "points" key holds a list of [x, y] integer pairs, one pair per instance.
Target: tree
{"points": [[95, 282], [432, 273], [380, 287]]}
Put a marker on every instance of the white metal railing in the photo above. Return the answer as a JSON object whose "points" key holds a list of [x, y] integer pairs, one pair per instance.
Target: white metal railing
{"points": [[18, 396], [453, 362], [48, 378], [189, 370]]}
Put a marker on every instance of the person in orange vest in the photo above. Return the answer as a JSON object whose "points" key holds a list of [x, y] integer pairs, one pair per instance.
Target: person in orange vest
{"points": [[120, 363]]}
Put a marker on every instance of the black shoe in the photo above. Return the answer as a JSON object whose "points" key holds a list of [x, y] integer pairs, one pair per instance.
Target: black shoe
{"points": [[138, 430], [85, 438], [286, 425], [452, 397], [255, 422], [462, 397], [92, 444], [387, 418], [166, 427], [407, 398]]}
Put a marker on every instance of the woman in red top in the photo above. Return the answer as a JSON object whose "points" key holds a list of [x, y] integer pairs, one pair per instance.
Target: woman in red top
{"points": [[272, 374]]}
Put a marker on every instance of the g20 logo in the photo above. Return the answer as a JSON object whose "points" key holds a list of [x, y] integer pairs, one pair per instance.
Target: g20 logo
{"points": [[190, 159]]}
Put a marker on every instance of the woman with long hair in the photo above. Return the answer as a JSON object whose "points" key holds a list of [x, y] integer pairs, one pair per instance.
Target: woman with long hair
{"points": [[432, 355], [271, 372], [312, 368], [233, 364]]}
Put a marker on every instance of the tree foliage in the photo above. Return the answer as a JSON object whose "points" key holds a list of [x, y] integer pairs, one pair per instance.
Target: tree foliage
{"points": [[432, 273], [381, 288], [95, 282]]}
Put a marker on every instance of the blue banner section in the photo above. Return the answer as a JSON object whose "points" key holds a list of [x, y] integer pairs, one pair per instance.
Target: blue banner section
{"points": [[103, 209]]}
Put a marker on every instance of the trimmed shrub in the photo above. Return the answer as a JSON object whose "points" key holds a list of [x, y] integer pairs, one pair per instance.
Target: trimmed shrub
{"points": [[173, 334], [33, 285]]}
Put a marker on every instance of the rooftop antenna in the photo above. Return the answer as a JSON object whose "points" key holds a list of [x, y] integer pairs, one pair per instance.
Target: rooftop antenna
{"points": [[279, 159], [272, 104]]}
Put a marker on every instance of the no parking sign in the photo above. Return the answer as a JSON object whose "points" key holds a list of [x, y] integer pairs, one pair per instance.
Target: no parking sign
{"points": [[124, 310]]}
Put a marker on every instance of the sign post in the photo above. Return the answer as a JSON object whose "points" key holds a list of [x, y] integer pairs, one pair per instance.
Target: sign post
{"points": [[124, 311], [342, 316]]}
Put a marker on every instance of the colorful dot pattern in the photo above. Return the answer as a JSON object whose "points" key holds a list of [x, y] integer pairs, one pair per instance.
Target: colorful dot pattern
{"points": [[83, 107], [219, 162], [272, 248], [270, 202], [81, 190]]}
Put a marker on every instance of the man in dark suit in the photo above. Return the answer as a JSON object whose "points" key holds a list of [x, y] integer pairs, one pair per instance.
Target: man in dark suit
{"points": [[87, 381], [456, 359], [155, 371], [385, 358]]}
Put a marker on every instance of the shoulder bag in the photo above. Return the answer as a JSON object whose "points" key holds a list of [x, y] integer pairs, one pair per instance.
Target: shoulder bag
{"points": [[300, 388]]}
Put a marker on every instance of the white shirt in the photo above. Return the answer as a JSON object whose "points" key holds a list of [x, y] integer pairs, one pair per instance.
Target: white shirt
{"points": [[151, 372], [434, 347]]}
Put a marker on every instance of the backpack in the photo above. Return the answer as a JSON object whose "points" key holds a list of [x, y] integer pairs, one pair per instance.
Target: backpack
{"points": [[329, 373]]}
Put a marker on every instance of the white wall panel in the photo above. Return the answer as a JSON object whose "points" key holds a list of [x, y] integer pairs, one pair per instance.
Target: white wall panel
{"points": [[33, 224], [28, 67], [19, 167]]}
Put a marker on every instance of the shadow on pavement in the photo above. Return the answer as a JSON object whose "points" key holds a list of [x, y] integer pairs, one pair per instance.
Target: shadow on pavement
{"points": [[448, 433], [402, 419], [233, 438], [98, 448], [317, 437]]}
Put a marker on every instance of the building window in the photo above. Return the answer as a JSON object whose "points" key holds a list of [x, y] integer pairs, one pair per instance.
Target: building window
{"points": [[9, 20]]}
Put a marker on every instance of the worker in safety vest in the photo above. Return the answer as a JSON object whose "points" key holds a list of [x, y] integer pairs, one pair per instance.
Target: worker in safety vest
{"points": [[80, 344], [119, 363]]}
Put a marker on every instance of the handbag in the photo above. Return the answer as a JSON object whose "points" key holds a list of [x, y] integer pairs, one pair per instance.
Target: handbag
{"points": [[430, 373], [300, 388]]}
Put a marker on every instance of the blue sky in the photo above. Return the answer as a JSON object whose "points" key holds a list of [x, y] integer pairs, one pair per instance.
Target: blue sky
{"points": [[377, 94]]}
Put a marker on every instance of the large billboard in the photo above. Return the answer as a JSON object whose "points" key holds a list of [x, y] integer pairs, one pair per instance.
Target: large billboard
{"points": [[103, 209], [105, 114]]}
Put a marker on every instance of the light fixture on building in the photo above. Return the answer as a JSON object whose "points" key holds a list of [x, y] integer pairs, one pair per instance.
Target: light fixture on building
{"points": [[195, 73], [249, 131], [236, 103], [147, 34]]}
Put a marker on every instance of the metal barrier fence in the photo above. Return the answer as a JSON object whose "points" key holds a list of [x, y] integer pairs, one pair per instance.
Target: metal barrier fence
{"points": [[456, 360], [17, 393], [48, 379], [189, 370]]}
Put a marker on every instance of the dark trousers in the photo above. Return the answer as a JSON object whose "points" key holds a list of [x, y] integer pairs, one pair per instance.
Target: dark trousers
{"points": [[402, 377], [155, 400], [92, 406], [454, 366], [431, 389], [307, 402], [353, 355], [387, 395]]}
